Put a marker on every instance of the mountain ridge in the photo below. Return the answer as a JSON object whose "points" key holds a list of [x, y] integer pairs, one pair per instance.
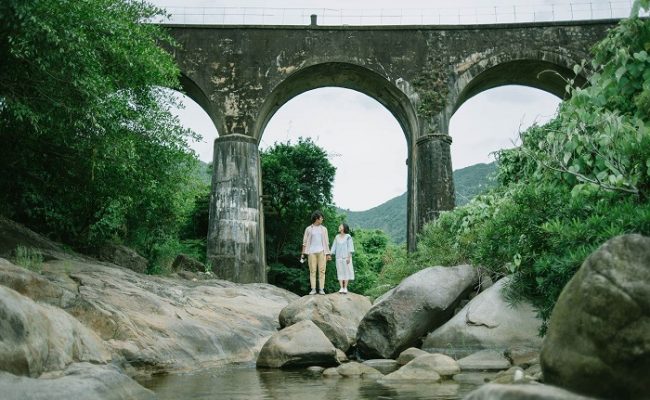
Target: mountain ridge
{"points": [[391, 215]]}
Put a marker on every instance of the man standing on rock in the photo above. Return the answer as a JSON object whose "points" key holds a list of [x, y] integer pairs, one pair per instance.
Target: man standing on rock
{"points": [[315, 243]]}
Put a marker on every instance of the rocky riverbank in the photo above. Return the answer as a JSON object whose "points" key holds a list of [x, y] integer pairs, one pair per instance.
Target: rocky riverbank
{"points": [[75, 327], [419, 333], [75, 310]]}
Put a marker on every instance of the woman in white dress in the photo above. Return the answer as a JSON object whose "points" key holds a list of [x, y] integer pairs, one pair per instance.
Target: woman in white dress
{"points": [[343, 247]]}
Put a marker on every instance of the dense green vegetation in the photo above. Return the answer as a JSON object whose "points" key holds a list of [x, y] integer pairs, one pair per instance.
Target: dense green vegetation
{"points": [[390, 217], [572, 184], [89, 150], [297, 179]]}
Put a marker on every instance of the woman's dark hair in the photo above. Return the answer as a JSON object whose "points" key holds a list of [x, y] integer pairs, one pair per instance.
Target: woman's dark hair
{"points": [[346, 228], [316, 215]]}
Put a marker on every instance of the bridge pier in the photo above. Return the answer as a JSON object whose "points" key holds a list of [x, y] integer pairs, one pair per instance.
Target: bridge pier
{"points": [[235, 233], [434, 177]]}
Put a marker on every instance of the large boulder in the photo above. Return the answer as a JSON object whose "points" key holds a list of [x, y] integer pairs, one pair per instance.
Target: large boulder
{"points": [[338, 316], [183, 262], [409, 354], [383, 365], [165, 325], [62, 294], [37, 338], [14, 235], [484, 360], [444, 365], [78, 381], [418, 305], [301, 344], [429, 368], [487, 322], [494, 391], [353, 368], [598, 339], [124, 257], [154, 324]]}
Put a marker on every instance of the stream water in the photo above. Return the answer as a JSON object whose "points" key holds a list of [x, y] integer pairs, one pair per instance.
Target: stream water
{"points": [[249, 383]]}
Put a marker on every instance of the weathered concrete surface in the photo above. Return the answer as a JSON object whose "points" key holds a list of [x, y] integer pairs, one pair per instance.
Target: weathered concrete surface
{"points": [[598, 339], [241, 75], [235, 238], [247, 72], [435, 180]]}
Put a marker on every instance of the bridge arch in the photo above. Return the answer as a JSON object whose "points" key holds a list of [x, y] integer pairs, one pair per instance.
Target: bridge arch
{"points": [[194, 92], [361, 79], [345, 75], [547, 71]]}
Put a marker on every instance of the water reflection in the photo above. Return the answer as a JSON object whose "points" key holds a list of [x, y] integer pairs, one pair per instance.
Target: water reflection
{"points": [[246, 382]]}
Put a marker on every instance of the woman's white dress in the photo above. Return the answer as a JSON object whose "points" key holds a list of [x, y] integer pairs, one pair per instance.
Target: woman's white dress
{"points": [[341, 248]]}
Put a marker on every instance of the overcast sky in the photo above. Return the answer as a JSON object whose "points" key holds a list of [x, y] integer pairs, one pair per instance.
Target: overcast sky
{"points": [[364, 140]]}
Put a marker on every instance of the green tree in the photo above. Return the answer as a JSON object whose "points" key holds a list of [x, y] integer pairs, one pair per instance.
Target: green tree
{"points": [[296, 180], [370, 247], [90, 151]]}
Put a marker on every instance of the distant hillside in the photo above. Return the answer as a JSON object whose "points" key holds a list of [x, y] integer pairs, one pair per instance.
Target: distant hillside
{"points": [[204, 172], [391, 216], [473, 180]]}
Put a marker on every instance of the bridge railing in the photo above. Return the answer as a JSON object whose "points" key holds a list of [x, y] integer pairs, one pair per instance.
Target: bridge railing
{"points": [[572, 11]]}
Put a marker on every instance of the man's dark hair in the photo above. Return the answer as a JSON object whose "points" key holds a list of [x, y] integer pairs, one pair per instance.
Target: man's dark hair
{"points": [[316, 215]]}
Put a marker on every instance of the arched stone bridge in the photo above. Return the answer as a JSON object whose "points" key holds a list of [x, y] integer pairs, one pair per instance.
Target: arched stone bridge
{"points": [[241, 75]]}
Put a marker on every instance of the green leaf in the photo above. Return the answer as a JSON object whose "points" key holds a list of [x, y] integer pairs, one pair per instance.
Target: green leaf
{"points": [[577, 69]]}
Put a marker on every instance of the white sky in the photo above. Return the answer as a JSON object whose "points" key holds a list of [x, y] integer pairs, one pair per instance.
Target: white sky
{"points": [[364, 140]]}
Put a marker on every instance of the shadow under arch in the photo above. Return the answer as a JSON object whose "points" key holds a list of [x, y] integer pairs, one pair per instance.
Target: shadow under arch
{"points": [[345, 75], [540, 70], [194, 92]]}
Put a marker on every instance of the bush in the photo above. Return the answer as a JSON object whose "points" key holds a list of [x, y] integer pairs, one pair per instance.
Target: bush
{"points": [[30, 258], [569, 239], [162, 251], [295, 280], [397, 265]]}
